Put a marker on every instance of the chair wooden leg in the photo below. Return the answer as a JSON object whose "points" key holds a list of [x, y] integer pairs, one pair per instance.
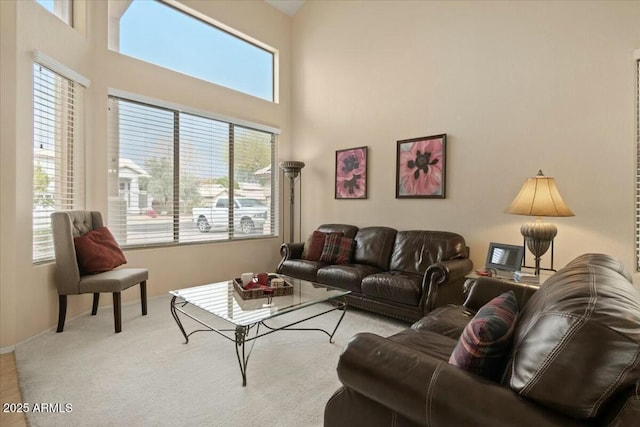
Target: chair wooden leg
{"points": [[143, 296], [117, 312], [62, 312], [96, 300]]}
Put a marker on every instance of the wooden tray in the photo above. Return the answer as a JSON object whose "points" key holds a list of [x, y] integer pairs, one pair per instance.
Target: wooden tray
{"points": [[262, 291]]}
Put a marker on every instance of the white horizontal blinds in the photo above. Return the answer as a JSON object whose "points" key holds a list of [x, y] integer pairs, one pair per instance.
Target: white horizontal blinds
{"points": [[252, 160], [58, 158], [274, 212], [142, 141], [170, 179], [204, 178]]}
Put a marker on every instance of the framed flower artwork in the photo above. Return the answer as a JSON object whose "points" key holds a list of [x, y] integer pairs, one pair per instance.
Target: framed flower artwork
{"points": [[351, 173], [420, 167]]}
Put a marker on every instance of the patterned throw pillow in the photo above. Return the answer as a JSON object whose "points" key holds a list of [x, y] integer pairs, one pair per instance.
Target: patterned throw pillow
{"points": [[97, 251], [313, 246], [337, 249], [486, 340]]}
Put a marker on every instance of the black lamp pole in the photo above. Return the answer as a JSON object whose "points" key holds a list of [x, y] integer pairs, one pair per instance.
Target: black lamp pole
{"points": [[291, 170]]}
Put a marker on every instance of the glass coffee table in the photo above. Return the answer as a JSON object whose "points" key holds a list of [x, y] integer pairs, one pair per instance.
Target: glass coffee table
{"points": [[247, 317]]}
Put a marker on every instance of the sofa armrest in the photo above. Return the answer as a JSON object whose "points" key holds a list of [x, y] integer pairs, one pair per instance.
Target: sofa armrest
{"points": [[452, 271], [429, 391], [291, 250], [484, 289]]}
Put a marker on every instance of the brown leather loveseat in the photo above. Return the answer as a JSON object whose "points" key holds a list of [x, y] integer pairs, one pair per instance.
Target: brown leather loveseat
{"points": [[401, 274], [574, 360]]}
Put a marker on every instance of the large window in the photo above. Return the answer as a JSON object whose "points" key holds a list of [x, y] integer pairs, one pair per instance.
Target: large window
{"points": [[178, 177], [57, 154], [197, 46]]}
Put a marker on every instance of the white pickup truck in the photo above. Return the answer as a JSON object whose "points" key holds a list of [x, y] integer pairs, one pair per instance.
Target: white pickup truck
{"points": [[249, 215]]}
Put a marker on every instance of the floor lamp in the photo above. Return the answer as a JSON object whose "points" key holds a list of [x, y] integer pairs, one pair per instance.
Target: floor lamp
{"points": [[292, 170], [539, 197]]}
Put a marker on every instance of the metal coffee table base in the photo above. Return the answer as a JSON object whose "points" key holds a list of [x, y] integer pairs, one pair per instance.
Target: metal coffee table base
{"points": [[242, 334]]}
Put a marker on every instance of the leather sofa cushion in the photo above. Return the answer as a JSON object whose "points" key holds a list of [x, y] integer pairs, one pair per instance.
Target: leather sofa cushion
{"points": [[590, 307], [346, 276], [426, 342], [416, 250], [301, 269], [448, 320], [348, 230], [483, 289], [394, 286], [374, 246]]}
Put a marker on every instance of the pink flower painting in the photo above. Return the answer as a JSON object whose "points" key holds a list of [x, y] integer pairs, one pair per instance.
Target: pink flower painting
{"points": [[421, 166], [351, 173]]}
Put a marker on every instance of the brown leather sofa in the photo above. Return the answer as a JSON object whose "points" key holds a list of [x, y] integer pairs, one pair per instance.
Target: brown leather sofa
{"points": [[401, 274], [575, 360]]}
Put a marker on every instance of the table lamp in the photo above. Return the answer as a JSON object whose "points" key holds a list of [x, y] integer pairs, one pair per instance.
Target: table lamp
{"points": [[539, 197]]}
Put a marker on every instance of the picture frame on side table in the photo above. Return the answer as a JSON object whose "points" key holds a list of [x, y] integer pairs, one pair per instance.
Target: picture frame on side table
{"points": [[351, 173], [421, 167]]}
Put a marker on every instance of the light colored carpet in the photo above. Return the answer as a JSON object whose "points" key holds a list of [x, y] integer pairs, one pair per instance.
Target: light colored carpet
{"points": [[147, 376]]}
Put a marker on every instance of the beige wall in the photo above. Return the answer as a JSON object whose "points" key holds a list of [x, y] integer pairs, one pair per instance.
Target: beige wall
{"points": [[28, 303], [516, 86]]}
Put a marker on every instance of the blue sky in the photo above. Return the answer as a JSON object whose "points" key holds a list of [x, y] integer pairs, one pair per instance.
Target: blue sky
{"points": [[47, 4], [162, 35], [156, 33], [159, 34]]}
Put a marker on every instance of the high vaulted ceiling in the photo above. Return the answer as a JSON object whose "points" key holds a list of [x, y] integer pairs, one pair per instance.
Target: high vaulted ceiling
{"points": [[290, 7]]}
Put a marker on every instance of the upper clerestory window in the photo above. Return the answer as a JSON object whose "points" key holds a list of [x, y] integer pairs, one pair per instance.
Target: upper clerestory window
{"points": [[63, 9], [173, 37]]}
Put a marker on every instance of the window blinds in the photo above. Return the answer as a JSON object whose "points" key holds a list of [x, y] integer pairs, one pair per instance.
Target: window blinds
{"points": [[58, 158], [173, 173]]}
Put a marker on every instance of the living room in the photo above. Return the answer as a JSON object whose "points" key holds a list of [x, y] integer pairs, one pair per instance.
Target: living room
{"points": [[515, 86]]}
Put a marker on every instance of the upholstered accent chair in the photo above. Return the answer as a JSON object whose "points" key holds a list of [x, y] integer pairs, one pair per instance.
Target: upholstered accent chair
{"points": [[69, 278]]}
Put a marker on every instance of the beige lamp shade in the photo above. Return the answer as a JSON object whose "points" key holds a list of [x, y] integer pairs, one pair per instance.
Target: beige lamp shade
{"points": [[539, 196]]}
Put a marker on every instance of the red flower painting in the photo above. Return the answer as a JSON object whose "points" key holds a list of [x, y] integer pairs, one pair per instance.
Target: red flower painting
{"points": [[351, 173], [421, 166]]}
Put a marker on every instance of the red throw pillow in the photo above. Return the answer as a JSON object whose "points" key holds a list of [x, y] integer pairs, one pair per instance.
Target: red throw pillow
{"points": [[313, 246], [97, 251]]}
